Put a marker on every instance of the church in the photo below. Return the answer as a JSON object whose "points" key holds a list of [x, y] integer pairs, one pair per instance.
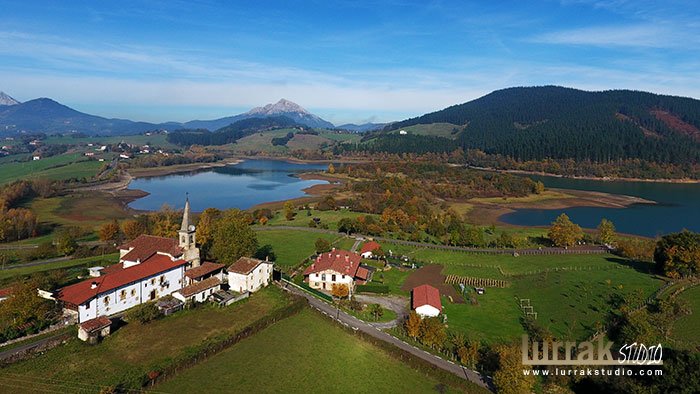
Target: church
{"points": [[149, 268]]}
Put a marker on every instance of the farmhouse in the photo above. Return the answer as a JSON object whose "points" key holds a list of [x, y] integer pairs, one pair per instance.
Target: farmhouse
{"points": [[368, 249], [336, 267], [426, 301], [204, 271], [149, 268], [199, 291], [249, 274]]}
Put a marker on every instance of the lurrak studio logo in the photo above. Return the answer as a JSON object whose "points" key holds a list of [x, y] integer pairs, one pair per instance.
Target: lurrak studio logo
{"points": [[589, 353]]}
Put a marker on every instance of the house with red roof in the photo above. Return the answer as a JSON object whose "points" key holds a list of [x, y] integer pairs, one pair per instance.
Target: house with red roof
{"points": [[425, 300], [368, 249], [336, 267], [149, 268]]}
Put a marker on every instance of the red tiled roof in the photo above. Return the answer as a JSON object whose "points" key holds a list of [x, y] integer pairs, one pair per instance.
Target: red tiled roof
{"points": [[426, 295], [199, 287], [95, 324], [362, 273], [144, 246], [370, 246], [82, 292], [340, 261], [204, 269], [245, 265]]}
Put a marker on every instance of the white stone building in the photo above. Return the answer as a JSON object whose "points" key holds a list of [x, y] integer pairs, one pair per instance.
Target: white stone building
{"points": [[249, 274]]}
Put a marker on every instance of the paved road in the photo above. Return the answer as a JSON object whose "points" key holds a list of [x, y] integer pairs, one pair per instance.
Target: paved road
{"points": [[8, 353], [34, 246], [586, 249], [356, 324], [35, 263]]}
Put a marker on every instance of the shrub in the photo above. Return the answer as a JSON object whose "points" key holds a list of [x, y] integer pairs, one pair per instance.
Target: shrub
{"points": [[143, 313]]}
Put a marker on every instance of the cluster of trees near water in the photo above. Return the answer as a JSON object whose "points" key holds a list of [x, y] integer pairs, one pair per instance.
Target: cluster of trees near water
{"points": [[15, 222]]}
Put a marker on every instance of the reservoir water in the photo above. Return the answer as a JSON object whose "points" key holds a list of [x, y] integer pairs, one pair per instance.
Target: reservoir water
{"points": [[242, 185], [678, 207]]}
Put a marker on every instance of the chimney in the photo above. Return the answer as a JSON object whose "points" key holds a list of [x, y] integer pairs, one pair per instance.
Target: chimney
{"points": [[347, 258], [93, 285]]}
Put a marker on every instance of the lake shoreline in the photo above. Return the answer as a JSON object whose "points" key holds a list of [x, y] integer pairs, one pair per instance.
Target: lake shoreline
{"points": [[589, 178]]}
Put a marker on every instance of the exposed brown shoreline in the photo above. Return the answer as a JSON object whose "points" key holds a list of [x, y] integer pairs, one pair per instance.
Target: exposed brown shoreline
{"points": [[590, 178]]}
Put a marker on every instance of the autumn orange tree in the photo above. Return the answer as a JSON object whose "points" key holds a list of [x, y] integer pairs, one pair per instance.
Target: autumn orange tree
{"points": [[340, 290], [109, 231], [509, 378], [563, 232], [678, 255], [133, 228], [412, 325]]}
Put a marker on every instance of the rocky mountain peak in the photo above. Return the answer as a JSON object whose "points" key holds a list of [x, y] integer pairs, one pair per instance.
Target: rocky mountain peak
{"points": [[283, 106], [7, 100]]}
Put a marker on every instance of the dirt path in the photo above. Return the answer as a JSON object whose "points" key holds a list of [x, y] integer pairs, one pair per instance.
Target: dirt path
{"points": [[397, 304]]}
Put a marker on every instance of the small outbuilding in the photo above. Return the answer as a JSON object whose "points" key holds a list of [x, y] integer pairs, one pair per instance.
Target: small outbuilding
{"points": [[369, 249], [425, 300], [199, 291], [92, 330]]}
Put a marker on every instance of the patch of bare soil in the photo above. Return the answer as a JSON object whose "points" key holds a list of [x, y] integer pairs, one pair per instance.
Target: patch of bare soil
{"points": [[676, 123], [432, 275]]}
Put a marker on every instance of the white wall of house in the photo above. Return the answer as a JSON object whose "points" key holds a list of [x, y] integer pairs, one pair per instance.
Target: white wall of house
{"points": [[130, 295], [427, 311], [367, 255], [197, 297], [256, 279], [329, 278]]}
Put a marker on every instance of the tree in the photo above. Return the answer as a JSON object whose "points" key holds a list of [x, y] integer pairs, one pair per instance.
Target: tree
{"points": [[433, 333], [109, 231], [538, 187], [340, 290], [205, 228], [65, 242], [143, 313], [232, 237], [509, 378], [322, 245], [289, 210], [376, 311], [133, 228], [563, 232], [678, 254], [331, 168], [412, 325], [606, 232]]}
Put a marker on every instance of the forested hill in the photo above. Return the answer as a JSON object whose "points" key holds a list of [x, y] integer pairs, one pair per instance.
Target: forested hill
{"points": [[535, 123], [230, 133]]}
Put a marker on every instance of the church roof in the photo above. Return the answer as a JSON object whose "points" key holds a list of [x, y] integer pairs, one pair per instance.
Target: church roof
{"points": [[145, 246], [82, 292], [186, 216]]}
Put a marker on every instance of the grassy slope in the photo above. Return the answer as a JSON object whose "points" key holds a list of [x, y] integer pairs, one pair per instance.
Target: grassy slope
{"points": [[131, 350], [435, 129], [9, 275], [60, 167], [686, 329], [291, 247], [334, 362], [330, 218]]}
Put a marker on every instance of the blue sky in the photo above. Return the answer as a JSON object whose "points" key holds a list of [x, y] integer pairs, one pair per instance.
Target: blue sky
{"points": [[346, 61]]}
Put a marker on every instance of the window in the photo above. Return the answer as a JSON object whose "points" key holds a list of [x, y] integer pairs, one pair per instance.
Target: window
{"points": [[133, 292], [162, 279], [106, 300], [333, 278], [122, 295], [323, 277], [342, 277], [153, 281]]}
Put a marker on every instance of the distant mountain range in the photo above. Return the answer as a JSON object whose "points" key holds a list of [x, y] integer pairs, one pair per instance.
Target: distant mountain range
{"points": [[48, 116]]}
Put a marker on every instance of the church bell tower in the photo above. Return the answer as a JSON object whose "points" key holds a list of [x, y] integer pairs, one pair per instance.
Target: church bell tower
{"points": [[187, 238]]}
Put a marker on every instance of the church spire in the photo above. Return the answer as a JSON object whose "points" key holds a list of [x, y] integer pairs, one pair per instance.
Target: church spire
{"points": [[186, 215]]}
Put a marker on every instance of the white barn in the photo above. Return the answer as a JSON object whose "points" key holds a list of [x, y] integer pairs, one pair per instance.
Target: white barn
{"points": [[426, 301]]}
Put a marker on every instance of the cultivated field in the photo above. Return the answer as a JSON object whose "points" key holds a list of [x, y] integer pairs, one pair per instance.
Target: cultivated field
{"points": [[61, 167], [334, 362]]}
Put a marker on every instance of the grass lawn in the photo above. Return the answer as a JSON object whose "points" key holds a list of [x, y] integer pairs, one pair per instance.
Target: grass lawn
{"points": [[495, 319], [134, 349], [330, 218], [291, 247], [78, 209], [387, 316], [60, 167], [304, 353], [393, 278], [685, 330], [10, 275], [435, 129]]}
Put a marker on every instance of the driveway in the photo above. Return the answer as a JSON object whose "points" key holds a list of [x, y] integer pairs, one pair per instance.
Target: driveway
{"points": [[395, 303]]}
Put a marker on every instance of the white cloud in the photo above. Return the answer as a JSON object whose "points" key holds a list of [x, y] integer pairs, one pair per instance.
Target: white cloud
{"points": [[614, 36]]}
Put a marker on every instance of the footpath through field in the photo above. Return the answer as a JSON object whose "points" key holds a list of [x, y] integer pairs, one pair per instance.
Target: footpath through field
{"points": [[585, 249], [370, 329]]}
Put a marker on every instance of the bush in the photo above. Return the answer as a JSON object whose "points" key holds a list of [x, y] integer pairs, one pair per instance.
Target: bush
{"points": [[371, 288], [143, 313]]}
